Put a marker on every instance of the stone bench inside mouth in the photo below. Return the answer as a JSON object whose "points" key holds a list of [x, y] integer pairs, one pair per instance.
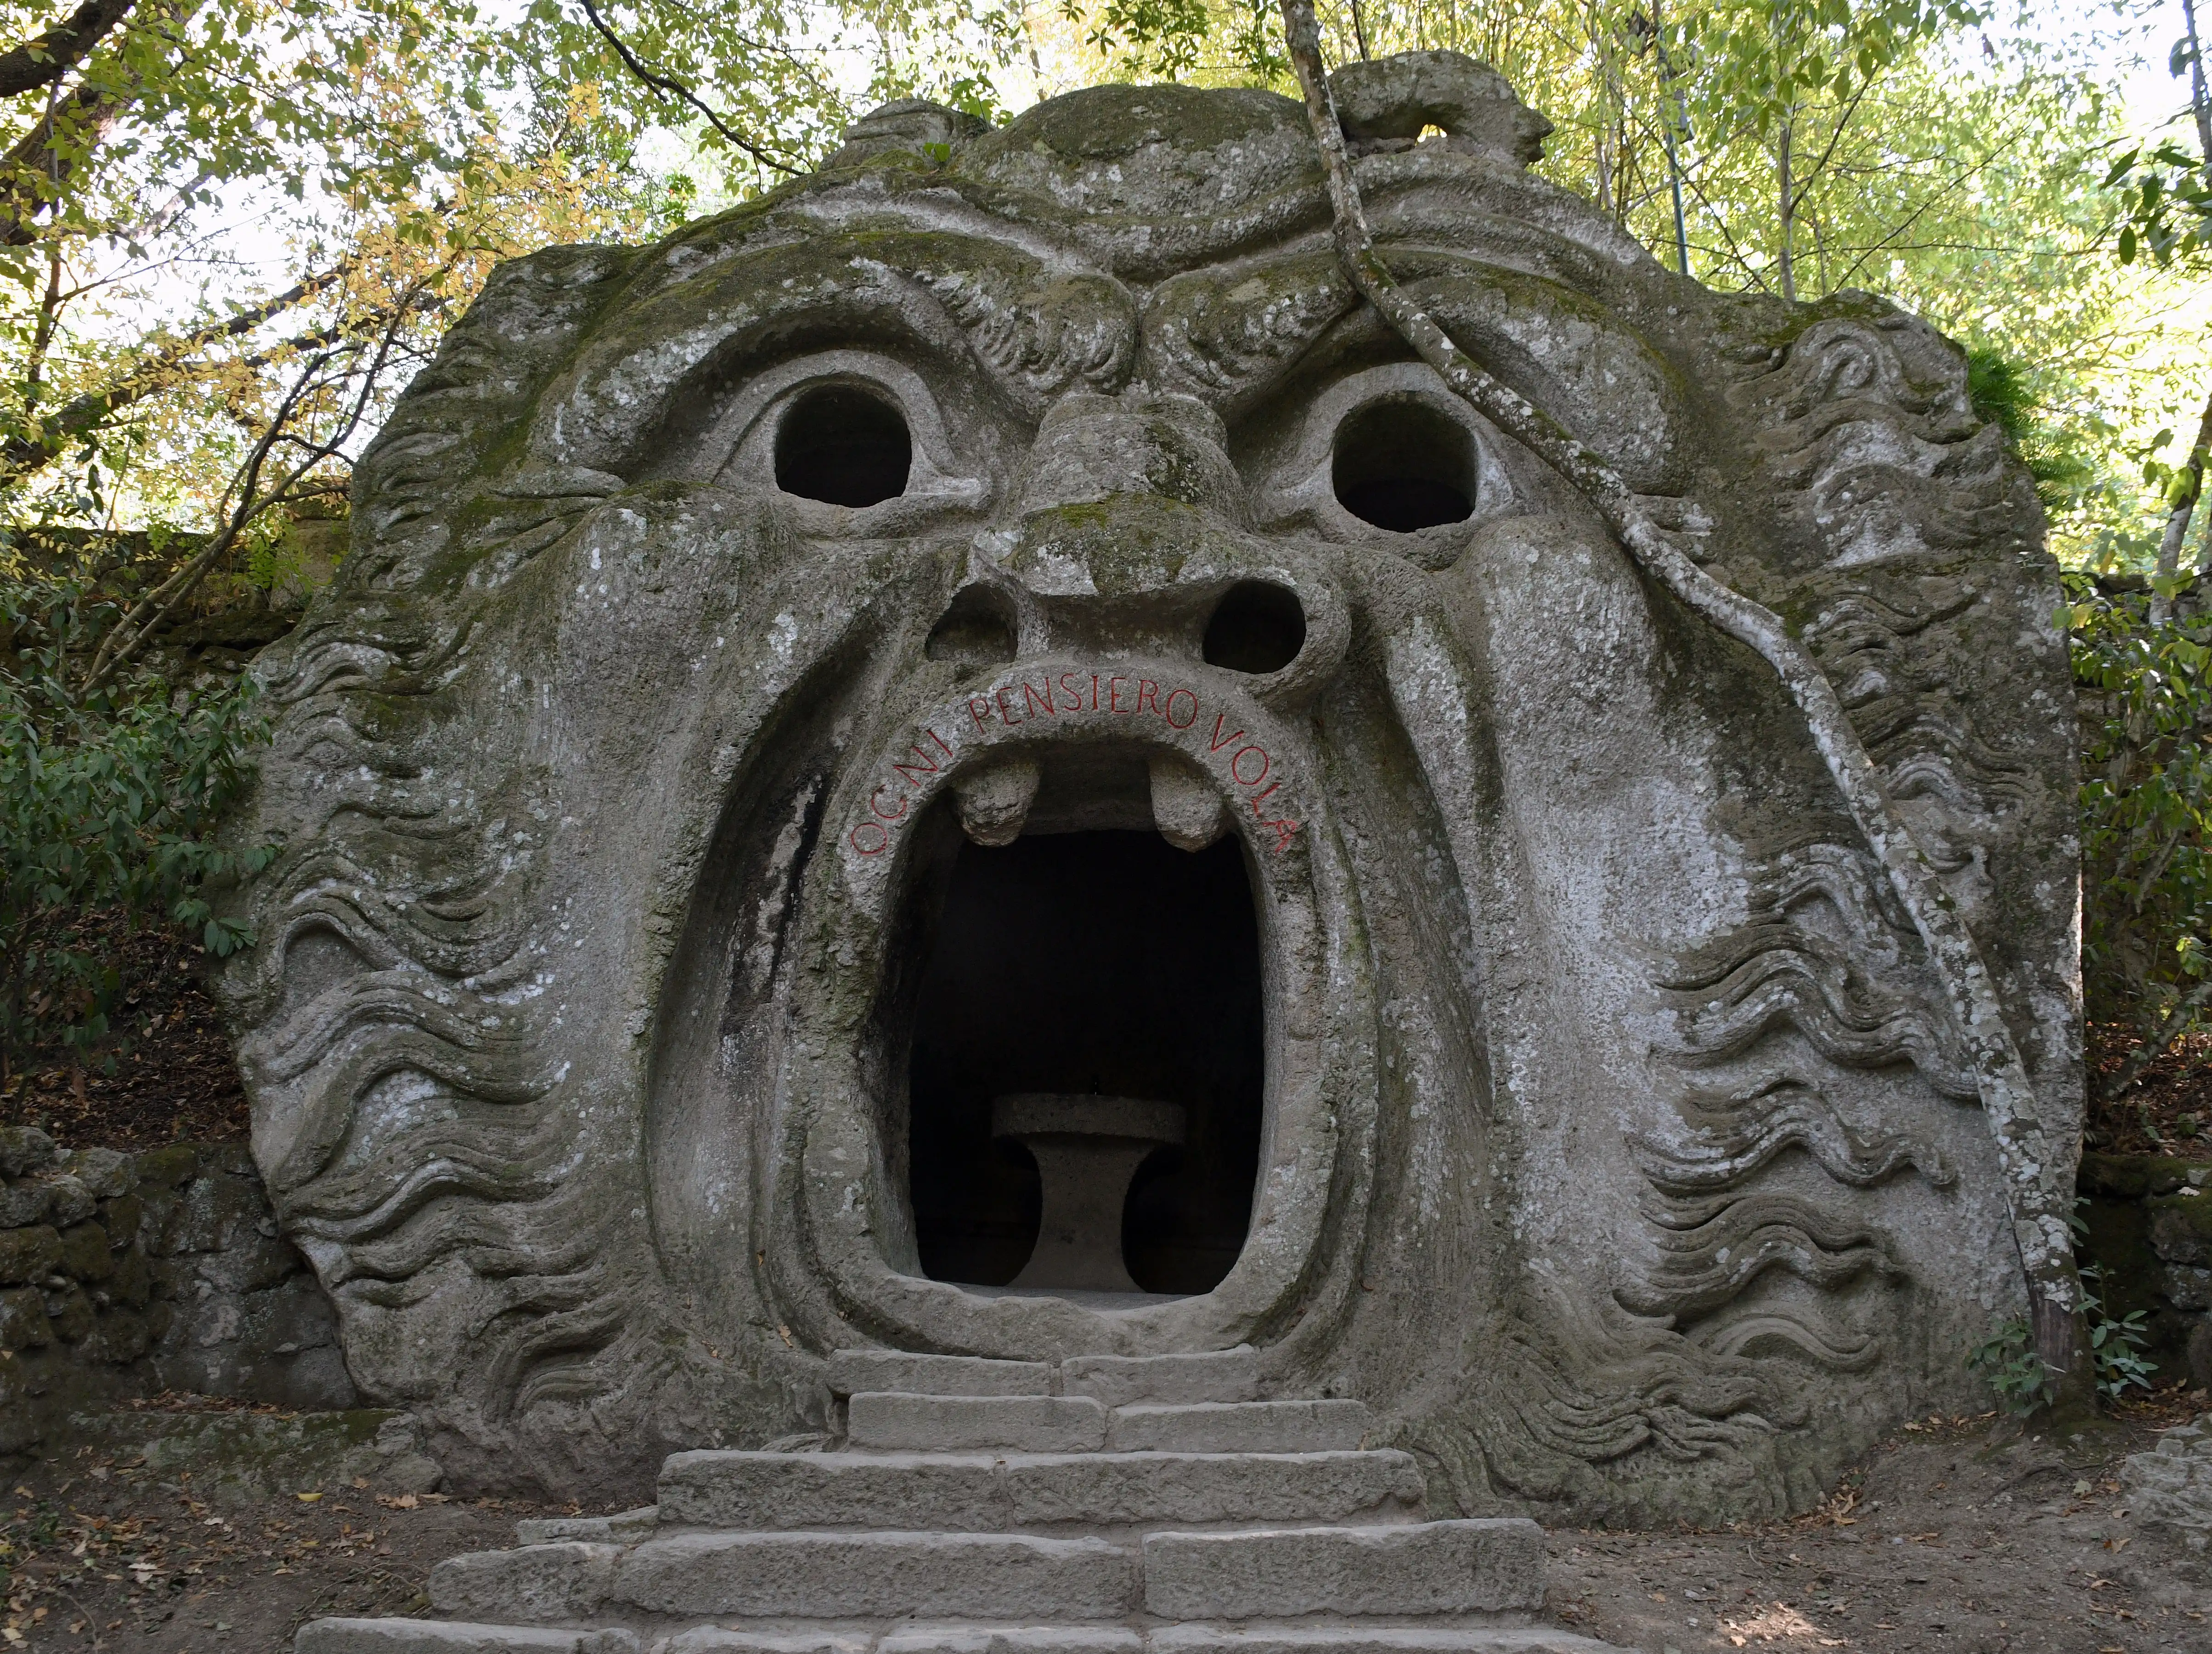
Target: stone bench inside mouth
{"points": [[1087, 1151]]}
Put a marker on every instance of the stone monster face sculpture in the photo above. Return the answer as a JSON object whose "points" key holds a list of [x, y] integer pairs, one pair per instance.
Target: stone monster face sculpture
{"points": [[984, 699]]}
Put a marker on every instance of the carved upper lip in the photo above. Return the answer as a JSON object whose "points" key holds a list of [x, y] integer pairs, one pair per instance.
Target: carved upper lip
{"points": [[985, 744]]}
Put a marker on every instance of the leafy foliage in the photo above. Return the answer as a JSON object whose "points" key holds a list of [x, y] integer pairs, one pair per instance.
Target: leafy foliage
{"points": [[2166, 202], [2146, 803], [110, 802], [2009, 1361], [2023, 1384]]}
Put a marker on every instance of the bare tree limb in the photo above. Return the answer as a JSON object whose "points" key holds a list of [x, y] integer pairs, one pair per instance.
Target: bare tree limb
{"points": [[670, 87], [2038, 1175], [42, 61], [247, 501], [20, 456], [2200, 95]]}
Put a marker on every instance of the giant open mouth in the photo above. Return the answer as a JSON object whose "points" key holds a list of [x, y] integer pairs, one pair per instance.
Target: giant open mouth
{"points": [[1087, 1069], [1074, 1066]]}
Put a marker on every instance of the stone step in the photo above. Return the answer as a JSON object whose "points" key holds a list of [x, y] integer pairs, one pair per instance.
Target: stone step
{"points": [[1487, 1565], [954, 1424], [848, 1575], [447, 1637], [722, 1639], [1311, 1426], [1374, 1639], [855, 1372], [444, 1637], [986, 1493], [1011, 1640], [1225, 1375], [624, 1527], [565, 1579]]}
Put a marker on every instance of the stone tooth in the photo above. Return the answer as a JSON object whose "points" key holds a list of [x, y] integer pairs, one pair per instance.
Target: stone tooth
{"points": [[1185, 807], [995, 802]]}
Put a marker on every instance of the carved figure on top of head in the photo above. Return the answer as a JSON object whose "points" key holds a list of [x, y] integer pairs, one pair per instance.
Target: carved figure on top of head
{"points": [[992, 655]]}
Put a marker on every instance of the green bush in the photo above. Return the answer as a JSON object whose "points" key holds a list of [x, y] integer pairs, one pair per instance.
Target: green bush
{"points": [[108, 802], [2146, 809]]}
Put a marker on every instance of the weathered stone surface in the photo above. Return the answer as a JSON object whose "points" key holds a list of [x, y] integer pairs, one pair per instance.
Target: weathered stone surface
{"points": [[1013, 1640], [68, 1202], [2170, 1489], [625, 1527], [719, 1639], [1396, 97], [29, 1254], [72, 1312], [23, 1324], [953, 1424], [1225, 1375], [1488, 1566], [104, 1172], [1241, 1427], [84, 1253], [447, 1637], [980, 1491], [841, 1575], [1592, 1058], [25, 1204], [1375, 1639], [23, 1149], [853, 1370], [565, 1580]]}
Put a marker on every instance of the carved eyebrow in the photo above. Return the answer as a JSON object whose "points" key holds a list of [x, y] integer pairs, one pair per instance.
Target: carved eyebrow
{"points": [[1233, 334], [679, 349], [1229, 334], [1027, 329]]}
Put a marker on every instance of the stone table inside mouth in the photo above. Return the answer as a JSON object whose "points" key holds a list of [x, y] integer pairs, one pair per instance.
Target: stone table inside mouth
{"points": [[1087, 1150]]}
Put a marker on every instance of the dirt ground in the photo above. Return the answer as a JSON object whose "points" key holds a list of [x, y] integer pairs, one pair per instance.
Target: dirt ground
{"points": [[1962, 1536], [166, 1075], [2168, 1110]]}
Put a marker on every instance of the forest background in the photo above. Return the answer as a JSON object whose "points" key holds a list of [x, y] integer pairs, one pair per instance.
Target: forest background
{"points": [[232, 230]]}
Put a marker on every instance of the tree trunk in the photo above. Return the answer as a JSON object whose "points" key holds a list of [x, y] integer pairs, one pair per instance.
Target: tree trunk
{"points": [[1787, 213], [2190, 486], [2200, 99]]}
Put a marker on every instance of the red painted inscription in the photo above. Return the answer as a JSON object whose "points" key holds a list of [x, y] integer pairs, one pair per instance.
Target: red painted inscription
{"points": [[1247, 764]]}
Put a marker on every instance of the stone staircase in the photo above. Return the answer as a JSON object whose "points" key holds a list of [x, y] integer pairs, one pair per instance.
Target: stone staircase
{"points": [[1109, 1505]]}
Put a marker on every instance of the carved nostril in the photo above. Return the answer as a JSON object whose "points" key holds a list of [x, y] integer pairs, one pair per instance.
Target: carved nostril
{"points": [[1402, 465], [1258, 626], [843, 446], [978, 630]]}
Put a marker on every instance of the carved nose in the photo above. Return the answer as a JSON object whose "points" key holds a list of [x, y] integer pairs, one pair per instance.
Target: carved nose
{"points": [[1093, 447]]}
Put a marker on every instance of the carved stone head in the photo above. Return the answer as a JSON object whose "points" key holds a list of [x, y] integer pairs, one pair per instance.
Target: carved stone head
{"points": [[984, 702]]}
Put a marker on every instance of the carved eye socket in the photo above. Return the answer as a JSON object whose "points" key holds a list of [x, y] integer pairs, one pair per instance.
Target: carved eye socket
{"points": [[1400, 465], [844, 445]]}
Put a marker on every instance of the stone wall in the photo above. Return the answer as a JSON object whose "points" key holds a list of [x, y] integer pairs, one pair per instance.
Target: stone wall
{"points": [[125, 1275], [2150, 1236]]}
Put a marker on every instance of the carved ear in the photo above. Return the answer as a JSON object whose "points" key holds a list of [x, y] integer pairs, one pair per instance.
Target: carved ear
{"points": [[1384, 102]]}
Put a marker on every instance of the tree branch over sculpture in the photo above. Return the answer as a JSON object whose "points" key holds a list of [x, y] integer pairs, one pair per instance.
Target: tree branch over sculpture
{"points": [[41, 62], [2038, 1182]]}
